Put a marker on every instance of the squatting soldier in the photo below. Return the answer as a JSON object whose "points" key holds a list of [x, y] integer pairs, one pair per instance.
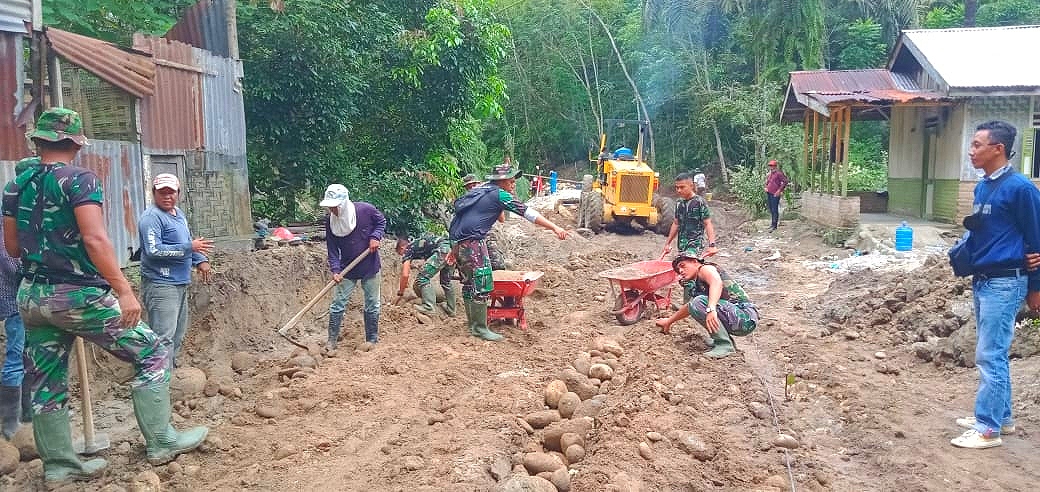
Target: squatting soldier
{"points": [[437, 251], [73, 287], [475, 213], [715, 301]]}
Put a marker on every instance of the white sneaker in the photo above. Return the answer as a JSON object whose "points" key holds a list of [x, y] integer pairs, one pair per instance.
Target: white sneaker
{"points": [[969, 423], [973, 440]]}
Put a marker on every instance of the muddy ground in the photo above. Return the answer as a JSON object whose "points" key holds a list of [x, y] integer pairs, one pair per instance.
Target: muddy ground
{"points": [[872, 403]]}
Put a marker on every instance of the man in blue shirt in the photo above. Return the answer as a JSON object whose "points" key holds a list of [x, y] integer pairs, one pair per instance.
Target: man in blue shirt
{"points": [[1003, 228], [167, 255]]}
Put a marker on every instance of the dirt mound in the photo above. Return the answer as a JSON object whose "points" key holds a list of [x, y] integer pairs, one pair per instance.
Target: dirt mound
{"points": [[927, 307]]}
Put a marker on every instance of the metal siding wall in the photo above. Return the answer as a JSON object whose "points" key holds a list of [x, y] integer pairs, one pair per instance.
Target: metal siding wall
{"points": [[6, 172], [120, 167], [222, 107], [13, 14], [12, 77], [171, 119], [204, 25]]}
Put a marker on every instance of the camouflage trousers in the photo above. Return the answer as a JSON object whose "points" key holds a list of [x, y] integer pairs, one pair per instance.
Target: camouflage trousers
{"points": [[495, 254], [693, 246], [738, 319], [437, 263], [475, 268], [55, 314]]}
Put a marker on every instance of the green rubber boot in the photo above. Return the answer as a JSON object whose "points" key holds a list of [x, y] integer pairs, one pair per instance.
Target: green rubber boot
{"points": [[450, 301], [429, 299], [163, 442], [724, 345], [54, 443], [477, 314]]}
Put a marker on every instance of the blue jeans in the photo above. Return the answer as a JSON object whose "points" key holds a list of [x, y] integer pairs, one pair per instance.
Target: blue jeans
{"points": [[996, 302], [370, 286], [14, 369], [167, 307]]}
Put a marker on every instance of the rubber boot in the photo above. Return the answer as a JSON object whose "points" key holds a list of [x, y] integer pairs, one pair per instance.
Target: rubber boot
{"points": [[372, 327], [477, 312], [10, 404], [54, 443], [429, 299], [27, 413], [723, 344], [335, 320], [163, 442], [450, 301]]}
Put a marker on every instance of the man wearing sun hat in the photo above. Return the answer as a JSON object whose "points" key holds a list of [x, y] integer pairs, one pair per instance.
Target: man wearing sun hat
{"points": [[72, 286], [475, 213], [351, 228], [168, 254]]}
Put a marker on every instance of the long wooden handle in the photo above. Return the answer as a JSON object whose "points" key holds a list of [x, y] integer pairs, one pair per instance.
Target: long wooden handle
{"points": [[84, 386], [324, 290]]}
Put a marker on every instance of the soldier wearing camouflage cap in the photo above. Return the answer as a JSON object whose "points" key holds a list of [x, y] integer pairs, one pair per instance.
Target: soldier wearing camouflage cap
{"points": [[53, 222]]}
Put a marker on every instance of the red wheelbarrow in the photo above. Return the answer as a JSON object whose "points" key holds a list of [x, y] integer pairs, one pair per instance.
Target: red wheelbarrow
{"points": [[507, 296], [642, 286]]}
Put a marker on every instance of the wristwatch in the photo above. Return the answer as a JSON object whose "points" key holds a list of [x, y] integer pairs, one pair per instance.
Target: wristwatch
{"points": [[709, 309], [711, 244]]}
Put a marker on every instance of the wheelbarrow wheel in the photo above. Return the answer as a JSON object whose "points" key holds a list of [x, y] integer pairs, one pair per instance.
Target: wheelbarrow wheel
{"points": [[632, 314]]}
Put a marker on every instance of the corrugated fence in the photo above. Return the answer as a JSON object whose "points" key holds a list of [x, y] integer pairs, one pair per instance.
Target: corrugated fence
{"points": [[12, 137], [119, 166]]}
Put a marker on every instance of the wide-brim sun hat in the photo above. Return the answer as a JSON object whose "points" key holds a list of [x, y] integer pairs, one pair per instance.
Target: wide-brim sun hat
{"points": [[57, 124], [502, 171], [470, 179]]}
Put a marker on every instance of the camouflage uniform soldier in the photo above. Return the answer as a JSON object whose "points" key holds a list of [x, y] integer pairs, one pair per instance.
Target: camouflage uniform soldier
{"points": [[436, 250], [475, 213], [692, 221], [498, 259], [716, 301], [53, 221]]}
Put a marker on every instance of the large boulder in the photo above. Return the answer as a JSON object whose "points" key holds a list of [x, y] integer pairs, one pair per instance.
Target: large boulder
{"points": [[186, 382]]}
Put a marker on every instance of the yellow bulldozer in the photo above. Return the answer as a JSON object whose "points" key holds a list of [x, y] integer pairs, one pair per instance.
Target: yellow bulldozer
{"points": [[623, 187]]}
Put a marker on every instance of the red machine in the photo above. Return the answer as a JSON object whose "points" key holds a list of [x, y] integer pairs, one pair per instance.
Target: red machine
{"points": [[639, 285], [507, 298]]}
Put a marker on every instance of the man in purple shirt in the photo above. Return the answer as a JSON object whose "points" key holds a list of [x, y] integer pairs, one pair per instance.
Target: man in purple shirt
{"points": [[350, 229], [776, 181]]}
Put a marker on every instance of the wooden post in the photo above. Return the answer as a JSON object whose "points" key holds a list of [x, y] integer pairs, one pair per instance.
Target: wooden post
{"points": [[815, 143], [845, 157], [806, 165], [54, 79]]}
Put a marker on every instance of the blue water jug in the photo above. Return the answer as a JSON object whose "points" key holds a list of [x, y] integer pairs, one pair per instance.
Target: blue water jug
{"points": [[904, 237]]}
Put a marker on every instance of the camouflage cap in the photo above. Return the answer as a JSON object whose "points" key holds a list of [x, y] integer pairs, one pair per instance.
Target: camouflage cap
{"points": [[470, 179], [503, 171], [57, 124], [684, 256]]}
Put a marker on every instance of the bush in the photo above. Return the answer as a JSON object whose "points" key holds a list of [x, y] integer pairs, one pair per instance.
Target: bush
{"points": [[746, 183]]}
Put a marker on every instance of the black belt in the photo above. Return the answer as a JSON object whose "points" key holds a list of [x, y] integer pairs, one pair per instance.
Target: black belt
{"points": [[55, 279], [1009, 272]]}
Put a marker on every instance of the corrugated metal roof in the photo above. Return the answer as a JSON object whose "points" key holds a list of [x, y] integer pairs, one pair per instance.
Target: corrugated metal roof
{"points": [[132, 72], [171, 118], [819, 89], [223, 110], [973, 60], [12, 137], [121, 170], [204, 25], [14, 14]]}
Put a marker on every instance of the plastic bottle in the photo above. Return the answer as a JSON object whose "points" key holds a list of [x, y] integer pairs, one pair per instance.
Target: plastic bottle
{"points": [[904, 237]]}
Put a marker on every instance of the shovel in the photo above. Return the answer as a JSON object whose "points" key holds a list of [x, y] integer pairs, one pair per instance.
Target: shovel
{"points": [[91, 443], [284, 330]]}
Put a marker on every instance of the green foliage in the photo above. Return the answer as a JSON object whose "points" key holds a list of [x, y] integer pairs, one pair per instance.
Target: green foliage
{"points": [[746, 185], [837, 236], [862, 46], [1008, 13], [944, 16], [114, 20]]}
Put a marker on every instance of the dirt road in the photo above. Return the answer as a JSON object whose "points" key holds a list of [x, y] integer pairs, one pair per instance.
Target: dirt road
{"points": [[433, 409]]}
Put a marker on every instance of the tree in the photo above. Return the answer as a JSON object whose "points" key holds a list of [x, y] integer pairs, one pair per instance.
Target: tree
{"points": [[971, 7], [114, 20], [862, 46]]}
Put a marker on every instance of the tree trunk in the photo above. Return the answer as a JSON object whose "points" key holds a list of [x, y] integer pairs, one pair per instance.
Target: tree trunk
{"points": [[718, 148], [971, 7]]}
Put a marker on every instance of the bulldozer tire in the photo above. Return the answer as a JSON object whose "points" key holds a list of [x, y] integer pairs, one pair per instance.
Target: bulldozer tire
{"points": [[592, 213], [582, 204], [665, 214]]}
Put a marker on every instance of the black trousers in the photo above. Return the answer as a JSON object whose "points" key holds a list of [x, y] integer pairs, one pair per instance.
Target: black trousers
{"points": [[773, 202]]}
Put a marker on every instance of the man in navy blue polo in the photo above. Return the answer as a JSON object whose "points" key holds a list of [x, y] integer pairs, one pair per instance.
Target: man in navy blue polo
{"points": [[1003, 228]]}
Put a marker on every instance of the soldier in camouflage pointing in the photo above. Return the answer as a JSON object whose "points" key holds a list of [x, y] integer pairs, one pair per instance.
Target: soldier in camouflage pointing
{"points": [[73, 287]]}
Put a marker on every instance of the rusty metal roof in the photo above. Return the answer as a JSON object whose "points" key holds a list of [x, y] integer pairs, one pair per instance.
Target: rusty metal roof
{"points": [[204, 25], [132, 72], [171, 119], [820, 89], [976, 61], [12, 136]]}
